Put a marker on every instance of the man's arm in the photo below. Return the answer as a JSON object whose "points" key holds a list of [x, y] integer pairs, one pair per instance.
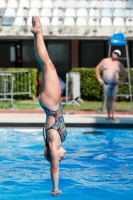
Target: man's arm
{"points": [[124, 72], [97, 71]]}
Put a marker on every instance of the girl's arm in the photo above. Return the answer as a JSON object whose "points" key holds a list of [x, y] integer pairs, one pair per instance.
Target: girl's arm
{"points": [[54, 168]]}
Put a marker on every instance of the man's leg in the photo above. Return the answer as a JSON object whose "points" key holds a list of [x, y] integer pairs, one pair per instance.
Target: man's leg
{"points": [[108, 100], [108, 106], [113, 103], [113, 106]]}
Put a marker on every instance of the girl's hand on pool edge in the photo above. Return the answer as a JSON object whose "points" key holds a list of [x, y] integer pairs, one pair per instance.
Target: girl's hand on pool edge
{"points": [[55, 193]]}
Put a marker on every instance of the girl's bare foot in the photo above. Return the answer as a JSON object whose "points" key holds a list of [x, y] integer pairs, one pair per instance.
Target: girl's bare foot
{"points": [[36, 25]]}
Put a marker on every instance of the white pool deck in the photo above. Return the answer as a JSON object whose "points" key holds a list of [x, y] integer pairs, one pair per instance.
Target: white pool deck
{"points": [[71, 120]]}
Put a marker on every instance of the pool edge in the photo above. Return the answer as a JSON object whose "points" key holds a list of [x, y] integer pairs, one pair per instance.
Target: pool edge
{"points": [[71, 125]]}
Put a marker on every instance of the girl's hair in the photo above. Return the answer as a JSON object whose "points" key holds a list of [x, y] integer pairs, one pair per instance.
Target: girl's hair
{"points": [[46, 149]]}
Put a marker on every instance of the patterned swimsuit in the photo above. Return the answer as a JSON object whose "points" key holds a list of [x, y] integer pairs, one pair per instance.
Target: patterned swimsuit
{"points": [[59, 124]]}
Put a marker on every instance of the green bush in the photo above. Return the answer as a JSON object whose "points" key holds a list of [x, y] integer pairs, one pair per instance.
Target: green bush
{"points": [[91, 89], [19, 82]]}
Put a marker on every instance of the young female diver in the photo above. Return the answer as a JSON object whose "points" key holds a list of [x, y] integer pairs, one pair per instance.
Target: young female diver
{"points": [[49, 100]]}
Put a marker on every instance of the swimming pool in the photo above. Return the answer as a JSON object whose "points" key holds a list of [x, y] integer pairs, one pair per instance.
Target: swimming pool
{"points": [[97, 166]]}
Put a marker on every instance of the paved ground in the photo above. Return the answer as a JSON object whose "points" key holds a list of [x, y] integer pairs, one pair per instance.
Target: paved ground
{"points": [[32, 118]]}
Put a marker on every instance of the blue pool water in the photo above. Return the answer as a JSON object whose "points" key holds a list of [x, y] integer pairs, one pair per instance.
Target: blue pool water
{"points": [[97, 166]]}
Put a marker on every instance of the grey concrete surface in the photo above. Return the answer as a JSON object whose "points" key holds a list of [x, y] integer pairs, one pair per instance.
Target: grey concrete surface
{"points": [[71, 120]]}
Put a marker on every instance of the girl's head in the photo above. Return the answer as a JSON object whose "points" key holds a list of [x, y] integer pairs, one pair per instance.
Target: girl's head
{"points": [[61, 153]]}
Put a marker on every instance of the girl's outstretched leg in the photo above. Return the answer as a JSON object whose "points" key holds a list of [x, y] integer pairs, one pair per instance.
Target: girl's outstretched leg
{"points": [[39, 45], [51, 90]]}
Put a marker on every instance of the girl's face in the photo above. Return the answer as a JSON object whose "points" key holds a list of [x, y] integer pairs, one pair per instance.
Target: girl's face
{"points": [[61, 153]]}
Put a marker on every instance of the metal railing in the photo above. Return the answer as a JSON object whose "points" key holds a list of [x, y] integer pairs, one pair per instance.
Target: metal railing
{"points": [[15, 82], [6, 87], [72, 89]]}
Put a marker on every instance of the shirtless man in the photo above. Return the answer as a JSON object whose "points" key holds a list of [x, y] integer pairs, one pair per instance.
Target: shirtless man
{"points": [[49, 99], [111, 68]]}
